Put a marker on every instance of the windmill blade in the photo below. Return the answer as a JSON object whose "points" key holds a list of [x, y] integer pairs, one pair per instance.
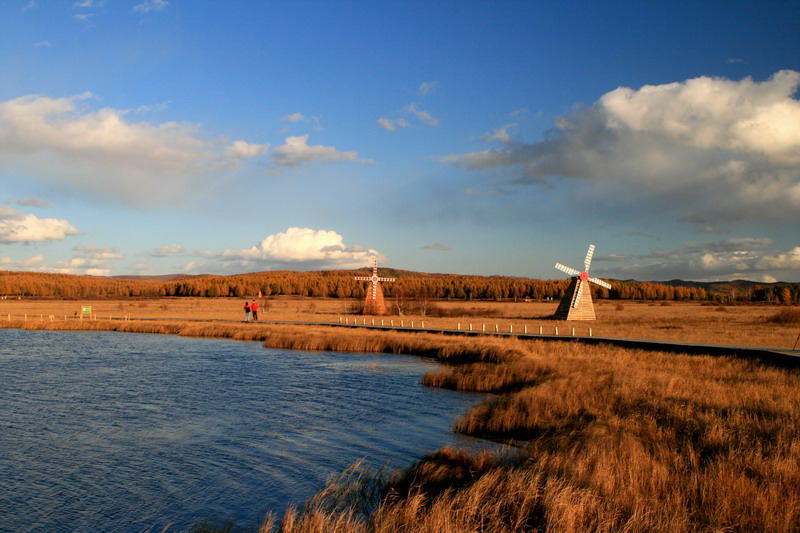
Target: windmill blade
{"points": [[568, 270], [578, 292], [588, 260], [600, 282]]}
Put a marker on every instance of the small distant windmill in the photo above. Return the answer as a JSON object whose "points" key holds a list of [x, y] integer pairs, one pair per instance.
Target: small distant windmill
{"points": [[577, 301], [373, 302]]}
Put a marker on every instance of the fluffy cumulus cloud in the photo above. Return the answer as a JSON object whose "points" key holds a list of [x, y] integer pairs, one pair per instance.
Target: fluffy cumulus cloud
{"points": [[300, 248], [66, 141], [245, 150], [16, 227], [296, 151], [714, 148], [736, 258]]}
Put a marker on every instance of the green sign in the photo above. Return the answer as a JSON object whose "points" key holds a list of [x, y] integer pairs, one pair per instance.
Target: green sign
{"points": [[87, 309]]}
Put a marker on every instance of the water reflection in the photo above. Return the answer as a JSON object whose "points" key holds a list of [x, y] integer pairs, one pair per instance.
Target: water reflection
{"points": [[128, 432]]}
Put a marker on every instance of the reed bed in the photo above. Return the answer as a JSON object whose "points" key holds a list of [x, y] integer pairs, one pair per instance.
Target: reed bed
{"points": [[310, 338], [605, 439]]}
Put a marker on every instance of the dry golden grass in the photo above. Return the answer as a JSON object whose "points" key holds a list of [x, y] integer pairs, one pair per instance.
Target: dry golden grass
{"points": [[747, 324], [607, 440]]}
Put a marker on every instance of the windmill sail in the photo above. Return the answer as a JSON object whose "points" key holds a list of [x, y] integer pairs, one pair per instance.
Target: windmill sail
{"points": [[577, 301]]}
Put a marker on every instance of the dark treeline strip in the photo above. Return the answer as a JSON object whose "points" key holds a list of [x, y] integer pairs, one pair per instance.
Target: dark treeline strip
{"points": [[341, 284]]}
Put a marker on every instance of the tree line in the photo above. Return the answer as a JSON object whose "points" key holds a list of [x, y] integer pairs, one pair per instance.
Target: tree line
{"points": [[341, 284]]}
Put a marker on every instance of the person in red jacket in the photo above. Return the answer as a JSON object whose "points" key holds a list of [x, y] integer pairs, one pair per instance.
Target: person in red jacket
{"points": [[254, 309]]}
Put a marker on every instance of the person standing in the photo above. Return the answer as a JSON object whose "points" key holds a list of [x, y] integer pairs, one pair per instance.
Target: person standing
{"points": [[247, 311], [254, 309]]}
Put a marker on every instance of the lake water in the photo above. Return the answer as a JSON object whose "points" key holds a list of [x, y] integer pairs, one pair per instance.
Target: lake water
{"points": [[129, 432]]}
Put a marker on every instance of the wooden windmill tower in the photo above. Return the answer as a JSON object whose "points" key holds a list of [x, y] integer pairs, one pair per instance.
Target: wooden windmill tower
{"points": [[373, 302], [577, 301]]}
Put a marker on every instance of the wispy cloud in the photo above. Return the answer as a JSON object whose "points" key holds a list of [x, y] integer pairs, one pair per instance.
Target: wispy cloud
{"points": [[167, 250], [149, 6], [436, 246], [308, 119], [477, 192], [736, 258], [427, 87], [392, 124], [33, 202], [296, 151], [411, 112], [89, 260], [423, 116]]}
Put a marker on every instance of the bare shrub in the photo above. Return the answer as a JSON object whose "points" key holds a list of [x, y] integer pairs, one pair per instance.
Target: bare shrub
{"points": [[785, 316]]}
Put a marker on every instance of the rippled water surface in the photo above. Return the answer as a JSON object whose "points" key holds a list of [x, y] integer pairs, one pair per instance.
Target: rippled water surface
{"points": [[129, 432]]}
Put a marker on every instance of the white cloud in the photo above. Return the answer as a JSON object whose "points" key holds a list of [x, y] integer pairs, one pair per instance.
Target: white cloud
{"points": [[16, 227], [151, 5], [709, 148], [422, 115], [410, 110], [500, 134], [437, 246], [88, 260], [33, 202], [300, 117], [296, 151], [245, 150], [742, 258], [299, 248], [32, 263], [46, 44], [64, 141], [168, 249], [391, 125], [427, 87], [294, 117]]}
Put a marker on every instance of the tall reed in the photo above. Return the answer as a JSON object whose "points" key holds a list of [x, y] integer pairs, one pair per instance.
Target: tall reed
{"points": [[608, 440]]}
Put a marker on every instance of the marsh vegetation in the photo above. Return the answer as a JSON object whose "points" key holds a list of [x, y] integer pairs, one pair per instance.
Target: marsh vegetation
{"points": [[599, 438]]}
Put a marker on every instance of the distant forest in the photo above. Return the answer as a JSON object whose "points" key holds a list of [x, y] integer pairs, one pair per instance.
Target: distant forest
{"points": [[341, 284]]}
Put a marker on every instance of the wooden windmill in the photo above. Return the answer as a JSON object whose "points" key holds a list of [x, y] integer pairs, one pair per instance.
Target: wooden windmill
{"points": [[577, 301], [373, 302]]}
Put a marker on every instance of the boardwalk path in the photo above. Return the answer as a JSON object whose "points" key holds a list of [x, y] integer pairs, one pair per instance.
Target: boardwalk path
{"points": [[785, 357], [768, 354]]}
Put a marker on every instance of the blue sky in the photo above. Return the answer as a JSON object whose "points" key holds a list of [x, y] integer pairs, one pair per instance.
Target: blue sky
{"points": [[163, 136]]}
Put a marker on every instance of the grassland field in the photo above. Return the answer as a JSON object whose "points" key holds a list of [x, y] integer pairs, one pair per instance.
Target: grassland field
{"points": [[690, 322]]}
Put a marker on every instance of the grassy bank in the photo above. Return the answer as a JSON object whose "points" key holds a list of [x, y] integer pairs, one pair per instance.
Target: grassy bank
{"points": [[608, 440], [605, 439], [758, 325]]}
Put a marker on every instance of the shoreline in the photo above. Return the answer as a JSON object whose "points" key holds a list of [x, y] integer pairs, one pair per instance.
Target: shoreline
{"points": [[609, 436]]}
